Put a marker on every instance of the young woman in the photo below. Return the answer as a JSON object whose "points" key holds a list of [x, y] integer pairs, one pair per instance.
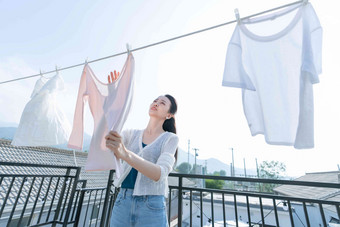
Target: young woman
{"points": [[148, 156]]}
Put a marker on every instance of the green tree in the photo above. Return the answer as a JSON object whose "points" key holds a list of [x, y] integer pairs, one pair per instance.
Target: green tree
{"points": [[220, 173], [223, 172], [271, 170], [184, 167], [215, 184]]}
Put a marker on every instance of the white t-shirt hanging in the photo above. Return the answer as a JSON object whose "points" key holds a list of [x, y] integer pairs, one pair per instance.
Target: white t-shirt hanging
{"points": [[43, 122], [276, 72]]}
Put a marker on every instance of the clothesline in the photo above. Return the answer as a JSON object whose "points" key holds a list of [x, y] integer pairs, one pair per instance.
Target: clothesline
{"points": [[157, 43]]}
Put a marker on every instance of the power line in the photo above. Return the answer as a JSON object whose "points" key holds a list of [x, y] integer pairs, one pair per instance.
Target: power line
{"points": [[157, 43]]}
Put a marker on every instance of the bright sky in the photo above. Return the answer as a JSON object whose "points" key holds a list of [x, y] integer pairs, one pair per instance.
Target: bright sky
{"points": [[41, 34]]}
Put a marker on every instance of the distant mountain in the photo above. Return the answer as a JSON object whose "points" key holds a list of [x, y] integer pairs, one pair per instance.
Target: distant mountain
{"points": [[9, 132]]}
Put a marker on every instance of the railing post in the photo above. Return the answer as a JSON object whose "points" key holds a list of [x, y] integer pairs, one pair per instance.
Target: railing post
{"points": [[290, 214], [69, 207], [111, 204], [106, 199], [80, 205], [180, 185], [61, 196]]}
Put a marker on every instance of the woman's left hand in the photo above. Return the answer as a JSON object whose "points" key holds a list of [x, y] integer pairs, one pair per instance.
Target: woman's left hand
{"points": [[115, 144]]}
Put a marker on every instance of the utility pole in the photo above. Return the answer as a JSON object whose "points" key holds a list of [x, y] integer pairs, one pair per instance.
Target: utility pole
{"points": [[195, 149], [205, 172], [232, 153], [231, 169], [188, 155], [257, 169], [245, 170]]}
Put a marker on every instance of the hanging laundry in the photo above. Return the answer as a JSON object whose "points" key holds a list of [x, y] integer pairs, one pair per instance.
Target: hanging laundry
{"points": [[110, 105], [276, 73], [42, 122]]}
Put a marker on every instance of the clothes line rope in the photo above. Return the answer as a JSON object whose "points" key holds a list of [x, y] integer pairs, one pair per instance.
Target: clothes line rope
{"points": [[157, 43]]}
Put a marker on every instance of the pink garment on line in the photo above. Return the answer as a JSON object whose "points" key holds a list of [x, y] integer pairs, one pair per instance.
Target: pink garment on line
{"points": [[110, 105]]}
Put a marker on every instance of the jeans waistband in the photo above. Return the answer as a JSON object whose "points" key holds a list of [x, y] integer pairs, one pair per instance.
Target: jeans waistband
{"points": [[126, 192]]}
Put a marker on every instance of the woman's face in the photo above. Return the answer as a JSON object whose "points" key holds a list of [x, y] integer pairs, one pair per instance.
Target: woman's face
{"points": [[160, 108]]}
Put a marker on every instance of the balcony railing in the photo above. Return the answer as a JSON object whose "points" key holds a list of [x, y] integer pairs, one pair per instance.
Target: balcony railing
{"points": [[36, 195], [245, 208], [47, 195]]}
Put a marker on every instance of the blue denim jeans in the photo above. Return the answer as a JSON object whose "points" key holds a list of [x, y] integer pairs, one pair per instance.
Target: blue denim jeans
{"points": [[138, 211]]}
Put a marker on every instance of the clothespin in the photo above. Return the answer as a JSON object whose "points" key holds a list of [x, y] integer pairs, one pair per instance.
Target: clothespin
{"points": [[56, 69], [128, 47], [305, 2], [41, 73], [237, 15], [86, 61]]}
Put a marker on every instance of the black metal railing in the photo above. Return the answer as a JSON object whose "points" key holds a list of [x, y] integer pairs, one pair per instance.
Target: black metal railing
{"points": [[40, 195], [36, 195], [94, 204], [237, 208]]}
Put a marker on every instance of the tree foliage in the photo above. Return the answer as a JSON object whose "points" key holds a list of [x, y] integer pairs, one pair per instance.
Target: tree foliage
{"points": [[223, 172], [184, 167], [214, 184], [271, 170]]}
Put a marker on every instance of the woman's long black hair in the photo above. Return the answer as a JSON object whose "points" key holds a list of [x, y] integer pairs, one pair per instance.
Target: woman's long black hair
{"points": [[169, 125]]}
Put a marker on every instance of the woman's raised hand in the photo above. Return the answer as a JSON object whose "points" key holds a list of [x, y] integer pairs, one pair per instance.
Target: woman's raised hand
{"points": [[115, 144], [112, 77]]}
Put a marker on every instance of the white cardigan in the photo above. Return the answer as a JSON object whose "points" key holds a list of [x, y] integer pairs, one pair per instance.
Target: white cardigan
{"points": [[161, 152]]}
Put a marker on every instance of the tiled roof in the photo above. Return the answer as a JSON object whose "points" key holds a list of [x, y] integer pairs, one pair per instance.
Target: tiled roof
{"points": [[331, 194], [50, 156], [50, 186]]}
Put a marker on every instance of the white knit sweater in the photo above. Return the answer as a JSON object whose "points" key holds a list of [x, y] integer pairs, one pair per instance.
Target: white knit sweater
{"points": [[161, 152]]}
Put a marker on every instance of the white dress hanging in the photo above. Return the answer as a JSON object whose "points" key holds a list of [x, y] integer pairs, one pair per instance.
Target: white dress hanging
{"points": [[42, 122]]}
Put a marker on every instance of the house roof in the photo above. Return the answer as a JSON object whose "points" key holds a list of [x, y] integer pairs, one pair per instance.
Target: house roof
{"points": [[329, 194], [42, 156], [312, 192], [52, 156]]}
